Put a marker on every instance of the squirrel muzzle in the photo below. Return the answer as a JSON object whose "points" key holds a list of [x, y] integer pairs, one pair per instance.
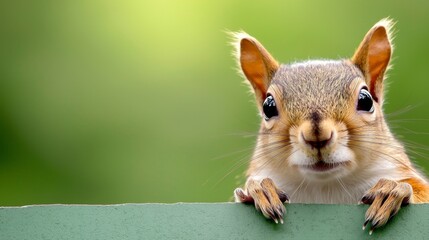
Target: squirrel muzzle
{"points": [[317, 134]]}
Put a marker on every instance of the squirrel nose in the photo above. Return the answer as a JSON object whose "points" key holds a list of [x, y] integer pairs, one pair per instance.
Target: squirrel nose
{"points": [[317, 135], [318, 143]]}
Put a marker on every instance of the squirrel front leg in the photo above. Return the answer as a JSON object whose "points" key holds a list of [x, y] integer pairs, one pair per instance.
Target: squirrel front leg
{"points": [[387, 197], [266, 197]]}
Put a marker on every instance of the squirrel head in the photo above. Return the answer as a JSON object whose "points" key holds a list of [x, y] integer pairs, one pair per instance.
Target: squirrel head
{"points": [[318, 115]]}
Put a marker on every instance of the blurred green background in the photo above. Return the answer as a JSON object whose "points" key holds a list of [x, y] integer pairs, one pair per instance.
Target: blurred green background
{"points": [[139, 101]]}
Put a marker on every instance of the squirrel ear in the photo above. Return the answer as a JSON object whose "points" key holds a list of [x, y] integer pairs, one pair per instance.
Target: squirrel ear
{"points": [[256, 63], [373, 56]]}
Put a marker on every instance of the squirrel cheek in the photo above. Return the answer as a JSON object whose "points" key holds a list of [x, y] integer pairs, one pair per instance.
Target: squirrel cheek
{"points": [[368, 117], [269, 124]]}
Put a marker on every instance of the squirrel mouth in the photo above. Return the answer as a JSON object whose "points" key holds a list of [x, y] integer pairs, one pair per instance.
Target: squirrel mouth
{"points": [[322, 166]]}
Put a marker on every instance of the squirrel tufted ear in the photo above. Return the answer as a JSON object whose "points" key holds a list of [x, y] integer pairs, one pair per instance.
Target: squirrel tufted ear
{"points": [[373, 56], [257, 64]]}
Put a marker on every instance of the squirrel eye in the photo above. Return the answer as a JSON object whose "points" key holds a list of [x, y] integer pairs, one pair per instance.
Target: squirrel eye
{"points": [[269, 107], [365, 102]]}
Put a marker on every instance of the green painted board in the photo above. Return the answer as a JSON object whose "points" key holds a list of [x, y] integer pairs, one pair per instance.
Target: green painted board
{"points": [[203, 221]]}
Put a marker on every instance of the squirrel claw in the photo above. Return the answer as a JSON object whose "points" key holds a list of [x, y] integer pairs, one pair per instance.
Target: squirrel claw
{"points": [[385, 199], [364, 224], [266, 196]]}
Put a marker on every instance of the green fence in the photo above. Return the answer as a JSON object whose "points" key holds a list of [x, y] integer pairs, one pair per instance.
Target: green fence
{"points": [[203, 221]]}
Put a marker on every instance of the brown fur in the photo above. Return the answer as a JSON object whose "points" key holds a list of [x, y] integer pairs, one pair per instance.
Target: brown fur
{"points": [[321, 139], [420, 190]]}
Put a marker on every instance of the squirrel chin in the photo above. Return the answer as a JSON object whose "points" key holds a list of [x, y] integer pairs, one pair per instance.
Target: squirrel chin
{"points": [[322, 166], [322, 171], [336, 163]]}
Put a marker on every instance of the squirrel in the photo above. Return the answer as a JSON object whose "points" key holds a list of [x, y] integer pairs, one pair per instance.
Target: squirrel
{"points": [[323, 136]]}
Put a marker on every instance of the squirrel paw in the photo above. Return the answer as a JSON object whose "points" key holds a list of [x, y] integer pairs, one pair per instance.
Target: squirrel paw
{"points": [[385, 199], [266, 197]]}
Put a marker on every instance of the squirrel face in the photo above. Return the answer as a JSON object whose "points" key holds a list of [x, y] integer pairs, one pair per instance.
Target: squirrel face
{"points": [[313, 108], [317, 115]]}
